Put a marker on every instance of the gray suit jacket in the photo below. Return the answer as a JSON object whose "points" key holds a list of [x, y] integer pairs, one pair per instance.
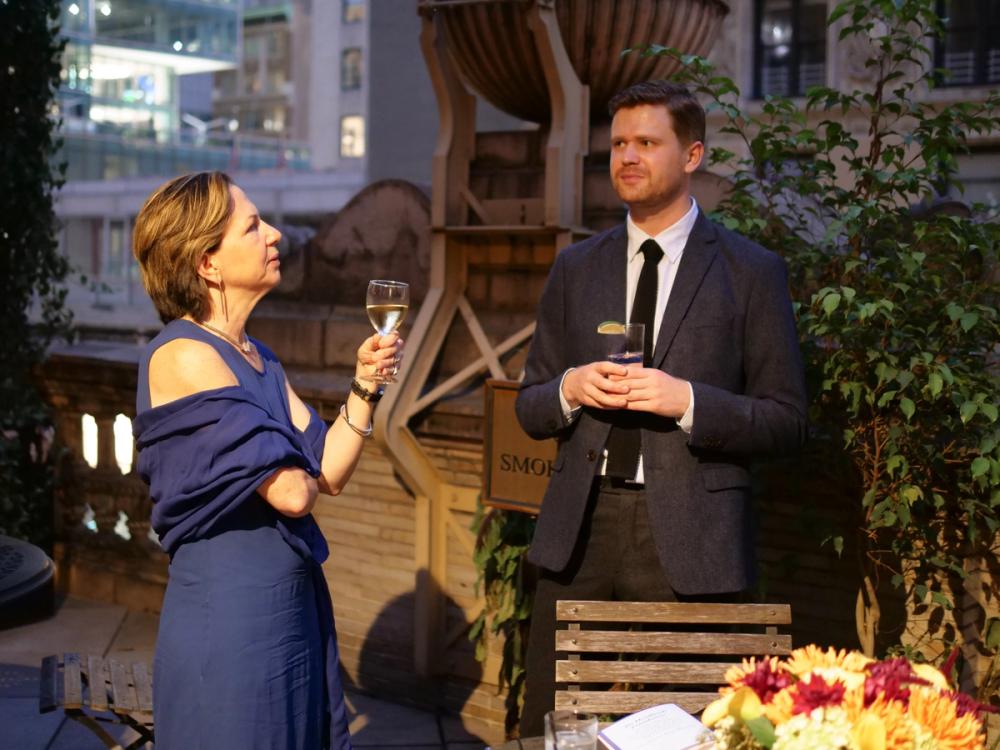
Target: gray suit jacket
{"points": [[728, 329]]}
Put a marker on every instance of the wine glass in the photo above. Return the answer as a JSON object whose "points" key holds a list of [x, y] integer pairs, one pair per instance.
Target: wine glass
{"points": [[387, 303]]}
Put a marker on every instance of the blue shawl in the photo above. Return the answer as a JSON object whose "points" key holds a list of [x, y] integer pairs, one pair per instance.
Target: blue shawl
{"points": [[206, 454]]}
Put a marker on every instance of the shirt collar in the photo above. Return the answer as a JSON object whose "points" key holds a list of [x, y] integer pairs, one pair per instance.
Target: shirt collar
{"points": [[671, 240]]}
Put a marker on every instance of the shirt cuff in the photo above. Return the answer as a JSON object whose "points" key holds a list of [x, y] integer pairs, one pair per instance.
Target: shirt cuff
{"points": [[686, 422], [568, 412]]}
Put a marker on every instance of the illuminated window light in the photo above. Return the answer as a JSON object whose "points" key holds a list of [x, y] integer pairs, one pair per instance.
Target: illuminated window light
{"points": [[89, 427], [105, 9], [123, 443], [88, 518], [74, 9], [121, 528], [178, 45]]}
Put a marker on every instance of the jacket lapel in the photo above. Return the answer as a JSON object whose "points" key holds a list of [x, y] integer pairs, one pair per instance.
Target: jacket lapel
{"points": [[609, 280], [699, 252]]}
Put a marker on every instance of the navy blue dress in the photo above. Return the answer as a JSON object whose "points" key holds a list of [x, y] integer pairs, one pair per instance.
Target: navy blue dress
{"points": [[246, 655]]}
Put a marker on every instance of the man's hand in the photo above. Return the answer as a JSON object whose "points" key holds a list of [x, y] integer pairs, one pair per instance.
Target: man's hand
{"points": [[654, 391], [591, 385]]}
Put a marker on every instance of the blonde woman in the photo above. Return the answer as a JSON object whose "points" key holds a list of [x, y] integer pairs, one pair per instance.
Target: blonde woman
{"points": [[246, 655]]}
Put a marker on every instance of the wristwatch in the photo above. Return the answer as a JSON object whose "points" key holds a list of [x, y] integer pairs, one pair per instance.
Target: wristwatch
{"points": [[372, 397]]}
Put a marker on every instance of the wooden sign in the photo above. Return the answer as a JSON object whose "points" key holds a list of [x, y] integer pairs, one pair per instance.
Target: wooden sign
{"points": [[516, 467]]}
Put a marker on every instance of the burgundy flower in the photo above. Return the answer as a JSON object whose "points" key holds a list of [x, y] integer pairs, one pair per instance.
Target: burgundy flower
{"points": [[765, 681], [891, 678], [816, 693], [965, 704]]}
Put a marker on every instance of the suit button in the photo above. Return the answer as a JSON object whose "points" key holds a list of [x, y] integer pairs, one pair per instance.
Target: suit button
{"points": [[591, 455]]}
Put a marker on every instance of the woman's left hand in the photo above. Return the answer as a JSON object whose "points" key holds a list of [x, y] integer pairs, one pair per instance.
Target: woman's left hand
{"points": [[379, 354]]}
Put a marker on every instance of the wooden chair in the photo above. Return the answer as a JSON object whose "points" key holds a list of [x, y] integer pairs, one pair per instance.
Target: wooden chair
{"points": [[89, 688], [684, 647]]}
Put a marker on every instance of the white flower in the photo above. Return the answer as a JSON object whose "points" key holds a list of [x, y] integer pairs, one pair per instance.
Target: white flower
{"points": [[822, 729]]}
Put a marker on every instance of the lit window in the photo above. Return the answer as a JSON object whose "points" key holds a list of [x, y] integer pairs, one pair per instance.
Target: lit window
{"points": [[790, 48], [353, 11], [352, 136], [89, 427], [970, 47], [123, 443], [350, 69]]}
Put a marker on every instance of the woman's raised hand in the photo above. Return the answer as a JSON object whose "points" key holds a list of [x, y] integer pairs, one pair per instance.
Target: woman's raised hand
{"points": [[379, 355]]}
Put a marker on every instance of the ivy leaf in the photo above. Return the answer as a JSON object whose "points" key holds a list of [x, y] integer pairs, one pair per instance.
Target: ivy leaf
{"points": [[762, 730], [968, 320], [830, 302], [936, 383], [980, 466], [938, 598], [907, 407], [968, 411]]}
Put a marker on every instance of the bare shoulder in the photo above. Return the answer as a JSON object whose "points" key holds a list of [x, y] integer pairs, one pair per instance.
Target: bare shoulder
{"points": [[183, 367]]}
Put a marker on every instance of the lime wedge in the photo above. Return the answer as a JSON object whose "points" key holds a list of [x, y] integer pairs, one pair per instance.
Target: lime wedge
{"points": [[611, 326]]}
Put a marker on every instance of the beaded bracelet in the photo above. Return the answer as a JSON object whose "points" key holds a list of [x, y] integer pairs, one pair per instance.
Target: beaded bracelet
{"points": [[366, 433]]}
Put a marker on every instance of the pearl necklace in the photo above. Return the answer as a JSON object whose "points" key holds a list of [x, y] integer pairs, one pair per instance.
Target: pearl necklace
{"points": [[243, 346]]}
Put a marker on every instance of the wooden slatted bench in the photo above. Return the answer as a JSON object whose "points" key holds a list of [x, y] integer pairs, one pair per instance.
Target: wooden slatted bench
{"points": [[92, 690], [685, 648]]}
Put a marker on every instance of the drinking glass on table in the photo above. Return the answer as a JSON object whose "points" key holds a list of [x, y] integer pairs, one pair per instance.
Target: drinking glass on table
{"points": [[387, 303], [625, 347], [570, 730]]}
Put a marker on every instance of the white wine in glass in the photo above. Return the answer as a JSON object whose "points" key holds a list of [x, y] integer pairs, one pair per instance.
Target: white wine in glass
{"points": [[387, 303]]}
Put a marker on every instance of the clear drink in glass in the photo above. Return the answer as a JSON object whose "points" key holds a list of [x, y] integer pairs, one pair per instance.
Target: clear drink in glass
{"points": [[387, 303]]}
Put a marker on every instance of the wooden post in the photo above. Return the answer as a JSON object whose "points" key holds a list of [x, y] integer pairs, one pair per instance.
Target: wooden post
{"points": [[569, 131]]}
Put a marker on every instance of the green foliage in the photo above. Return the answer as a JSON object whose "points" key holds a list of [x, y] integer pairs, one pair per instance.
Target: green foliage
{"points": [[31, 267], [501, 545], [896, 301]]}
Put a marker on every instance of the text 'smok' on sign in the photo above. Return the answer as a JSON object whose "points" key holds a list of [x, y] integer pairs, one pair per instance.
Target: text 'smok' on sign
{"points": [[516, 468]]}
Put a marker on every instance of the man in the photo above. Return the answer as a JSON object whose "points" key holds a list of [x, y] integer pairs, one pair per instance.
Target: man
{"points": [[650, 496]]}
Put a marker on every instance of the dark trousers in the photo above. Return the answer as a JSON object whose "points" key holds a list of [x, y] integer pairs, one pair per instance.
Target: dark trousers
{"points": [[614, 559]]}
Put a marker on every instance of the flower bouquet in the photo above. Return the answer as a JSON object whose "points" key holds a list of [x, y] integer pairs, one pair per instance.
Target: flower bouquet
{"points": [[826, 700]]}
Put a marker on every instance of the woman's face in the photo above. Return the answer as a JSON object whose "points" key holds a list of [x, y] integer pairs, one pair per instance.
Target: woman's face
{"points": [[247, 258]]}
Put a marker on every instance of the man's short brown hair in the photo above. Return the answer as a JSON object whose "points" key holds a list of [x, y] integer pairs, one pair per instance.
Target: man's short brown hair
{"points": [[685, 110], [181, 221]]}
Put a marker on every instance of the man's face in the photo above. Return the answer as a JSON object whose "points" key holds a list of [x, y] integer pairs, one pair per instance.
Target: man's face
{"points": [[650, 167]]}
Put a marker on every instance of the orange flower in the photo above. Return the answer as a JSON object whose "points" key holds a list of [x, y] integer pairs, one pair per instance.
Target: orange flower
{"points": [[937, 713], [779, 709], [892, 714]]}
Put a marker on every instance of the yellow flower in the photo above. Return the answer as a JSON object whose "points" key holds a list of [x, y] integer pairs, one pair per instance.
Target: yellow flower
{"points": [[932, 675], [869, 732], [850, 680], [938, 713], [742, 704], [804, 660]]}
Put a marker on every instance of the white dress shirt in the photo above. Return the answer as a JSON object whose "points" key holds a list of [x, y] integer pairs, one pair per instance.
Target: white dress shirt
{"points": [[672, 241]]}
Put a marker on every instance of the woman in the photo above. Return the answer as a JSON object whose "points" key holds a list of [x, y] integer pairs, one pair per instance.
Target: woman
{"points": [[246, 655]]}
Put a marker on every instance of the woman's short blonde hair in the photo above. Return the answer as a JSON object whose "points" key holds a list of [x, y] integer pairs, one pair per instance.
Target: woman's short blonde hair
{"points": [[181, 221]]}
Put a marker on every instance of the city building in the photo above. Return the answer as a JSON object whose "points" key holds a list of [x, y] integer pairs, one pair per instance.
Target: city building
{"points": [[782, 47]]}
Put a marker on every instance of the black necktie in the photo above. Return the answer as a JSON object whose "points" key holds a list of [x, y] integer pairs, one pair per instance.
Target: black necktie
{"points": [[624, 442]]}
